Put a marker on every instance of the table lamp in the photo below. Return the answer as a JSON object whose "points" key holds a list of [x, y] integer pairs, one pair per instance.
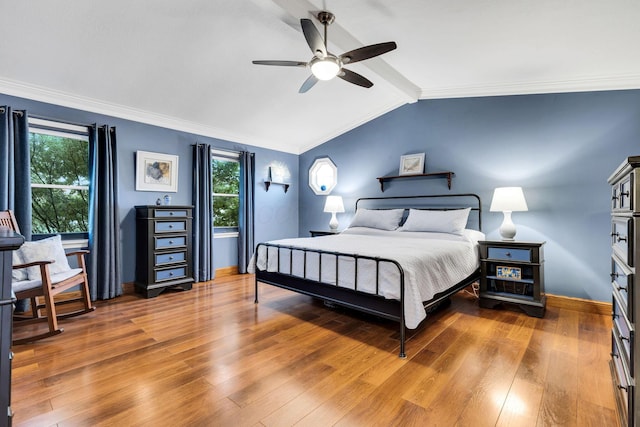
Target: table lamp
{"points": [[507, 200], [333, 204]]}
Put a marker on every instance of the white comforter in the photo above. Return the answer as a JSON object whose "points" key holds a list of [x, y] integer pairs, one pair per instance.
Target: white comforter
{"points": [[432, 263]]}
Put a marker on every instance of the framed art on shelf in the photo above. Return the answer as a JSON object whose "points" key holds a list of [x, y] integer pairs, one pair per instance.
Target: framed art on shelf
{"points": [[412, 164], [156, 172], [513, 273]]}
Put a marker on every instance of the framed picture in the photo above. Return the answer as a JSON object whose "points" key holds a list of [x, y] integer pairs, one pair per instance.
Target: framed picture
{"points": [[512, 273], [156, 172], [412, 164]]}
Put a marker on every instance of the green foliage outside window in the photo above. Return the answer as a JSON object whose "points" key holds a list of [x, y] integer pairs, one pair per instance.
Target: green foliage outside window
{"points": [[64, 164], [226, 186]]}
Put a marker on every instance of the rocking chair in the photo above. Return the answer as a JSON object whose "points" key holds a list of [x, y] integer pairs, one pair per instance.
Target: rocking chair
{"points": [[46, 287]]}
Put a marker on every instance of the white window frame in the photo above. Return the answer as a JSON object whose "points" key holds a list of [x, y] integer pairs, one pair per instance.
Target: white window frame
{"points": [[64, 130], [227, 156]]}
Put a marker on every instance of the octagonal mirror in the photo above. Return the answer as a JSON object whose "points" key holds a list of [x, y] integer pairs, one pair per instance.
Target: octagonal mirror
{"points": [[323, 176]]}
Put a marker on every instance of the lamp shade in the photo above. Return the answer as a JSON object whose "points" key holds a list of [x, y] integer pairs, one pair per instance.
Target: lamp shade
{"points": [[508, 199], [334, 204]]}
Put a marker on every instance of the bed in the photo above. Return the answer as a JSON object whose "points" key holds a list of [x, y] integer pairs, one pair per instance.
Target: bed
{"points": [[400, 258]]}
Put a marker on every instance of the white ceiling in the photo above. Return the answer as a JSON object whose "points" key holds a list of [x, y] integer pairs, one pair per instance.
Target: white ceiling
{"points": [[187, 64]]}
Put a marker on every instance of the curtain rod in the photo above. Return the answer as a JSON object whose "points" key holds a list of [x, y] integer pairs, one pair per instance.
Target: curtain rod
{"points": [[18, 112]]}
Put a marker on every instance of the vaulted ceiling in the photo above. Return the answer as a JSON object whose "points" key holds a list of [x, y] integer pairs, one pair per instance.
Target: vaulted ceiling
{"points": [[187, 64]]}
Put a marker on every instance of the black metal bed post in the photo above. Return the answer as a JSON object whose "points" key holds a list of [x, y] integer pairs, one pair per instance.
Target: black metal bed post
{"points": [[255, 301], [402, 354]]}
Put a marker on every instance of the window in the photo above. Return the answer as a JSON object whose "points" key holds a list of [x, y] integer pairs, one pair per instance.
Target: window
{"points": [[59, 156], [225, 181]]}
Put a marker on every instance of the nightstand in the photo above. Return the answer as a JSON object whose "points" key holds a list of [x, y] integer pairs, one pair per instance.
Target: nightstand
{"points": [[318, 233], [512, 272]]}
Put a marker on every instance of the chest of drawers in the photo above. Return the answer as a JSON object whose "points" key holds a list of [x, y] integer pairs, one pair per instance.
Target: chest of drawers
{"points": [[163, 248], [625, 223]]}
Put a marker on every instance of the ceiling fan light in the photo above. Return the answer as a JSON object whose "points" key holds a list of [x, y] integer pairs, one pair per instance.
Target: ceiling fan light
{"points": [[325, 69]]}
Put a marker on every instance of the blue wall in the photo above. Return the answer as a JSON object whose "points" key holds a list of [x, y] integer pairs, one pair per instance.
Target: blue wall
{"points": [[133, 136], [560, 148]]}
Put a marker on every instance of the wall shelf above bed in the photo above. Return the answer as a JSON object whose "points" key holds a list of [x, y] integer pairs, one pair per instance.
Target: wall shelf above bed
{"points": [[446, 175]]}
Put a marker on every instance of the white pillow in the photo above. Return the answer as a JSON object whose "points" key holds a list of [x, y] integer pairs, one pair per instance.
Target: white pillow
{"points": [[49, 249], [451, 221], [20, 273], [383, 219]]}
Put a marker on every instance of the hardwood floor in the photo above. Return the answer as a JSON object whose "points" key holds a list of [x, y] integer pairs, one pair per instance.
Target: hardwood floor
{"points": [[211, 357]]}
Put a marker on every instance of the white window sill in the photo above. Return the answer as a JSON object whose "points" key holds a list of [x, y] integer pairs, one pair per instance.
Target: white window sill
{"points": [[228, 235], [75, 244]]}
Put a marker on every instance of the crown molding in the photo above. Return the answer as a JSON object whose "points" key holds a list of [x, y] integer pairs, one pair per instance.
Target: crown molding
{"points": [[620, 82], [41, 94]]}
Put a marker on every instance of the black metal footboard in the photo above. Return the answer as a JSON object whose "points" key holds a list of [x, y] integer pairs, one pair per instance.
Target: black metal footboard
{"points": [[356, 299]]}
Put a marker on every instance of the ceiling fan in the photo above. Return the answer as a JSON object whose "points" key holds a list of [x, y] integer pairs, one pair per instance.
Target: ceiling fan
{"points": [[324, 64]]}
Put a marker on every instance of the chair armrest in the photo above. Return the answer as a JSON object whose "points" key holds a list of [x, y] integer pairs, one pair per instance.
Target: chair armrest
{"points": [[78, 252], [32, 264]]}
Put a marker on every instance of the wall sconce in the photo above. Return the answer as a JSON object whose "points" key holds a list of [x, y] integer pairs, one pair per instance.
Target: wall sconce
{"points": [[507, 200], [333, 204]]}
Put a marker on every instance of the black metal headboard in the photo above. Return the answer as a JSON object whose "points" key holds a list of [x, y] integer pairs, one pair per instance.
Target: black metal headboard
{"points": [[428, 202]]}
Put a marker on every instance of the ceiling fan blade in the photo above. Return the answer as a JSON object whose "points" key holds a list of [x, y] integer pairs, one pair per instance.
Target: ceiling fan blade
{"points": [[367, 52], [314, 39], [282, 63], [308, 84], [354, 78]]}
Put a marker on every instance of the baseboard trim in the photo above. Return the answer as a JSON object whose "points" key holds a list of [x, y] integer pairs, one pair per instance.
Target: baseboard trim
{"points": [[579, 304], [227, 271]]}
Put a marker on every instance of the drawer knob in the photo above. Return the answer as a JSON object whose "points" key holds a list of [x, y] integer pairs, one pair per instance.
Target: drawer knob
{"points": [[170, 225], [614, 315], [625, 194], [621, 387], [171, 273], [171, 242], [508, 254], [623, 338], [170, 257], [614, 197], [622, 239], [170, 213]]}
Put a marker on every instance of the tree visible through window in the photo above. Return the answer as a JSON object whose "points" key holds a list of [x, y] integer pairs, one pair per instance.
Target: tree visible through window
{"points": [[59, 180], [225, 178]]}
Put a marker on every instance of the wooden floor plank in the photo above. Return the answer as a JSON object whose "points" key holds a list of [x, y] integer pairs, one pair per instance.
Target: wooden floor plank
{"points": [[210, 356]]}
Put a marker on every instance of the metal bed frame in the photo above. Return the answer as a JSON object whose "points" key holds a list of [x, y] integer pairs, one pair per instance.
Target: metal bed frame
{"points": [[370, 303]]}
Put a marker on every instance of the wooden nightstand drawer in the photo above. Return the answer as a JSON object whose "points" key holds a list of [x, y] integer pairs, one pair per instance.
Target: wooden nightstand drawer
{"points": [[622, 381], [621, 229], [171, 213], [510, 254], [170, 258], [171, 273], [170, 242], [625, 336], [622, 283], [170, 226]]}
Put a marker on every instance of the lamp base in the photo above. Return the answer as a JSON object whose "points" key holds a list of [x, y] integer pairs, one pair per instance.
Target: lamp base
{"points": [[333, 224], [508, 228]]}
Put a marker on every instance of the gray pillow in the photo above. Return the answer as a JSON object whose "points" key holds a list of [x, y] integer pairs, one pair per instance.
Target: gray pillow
{"points": [[451, 221], [49, 249], [383, 219], [21, 273]]}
